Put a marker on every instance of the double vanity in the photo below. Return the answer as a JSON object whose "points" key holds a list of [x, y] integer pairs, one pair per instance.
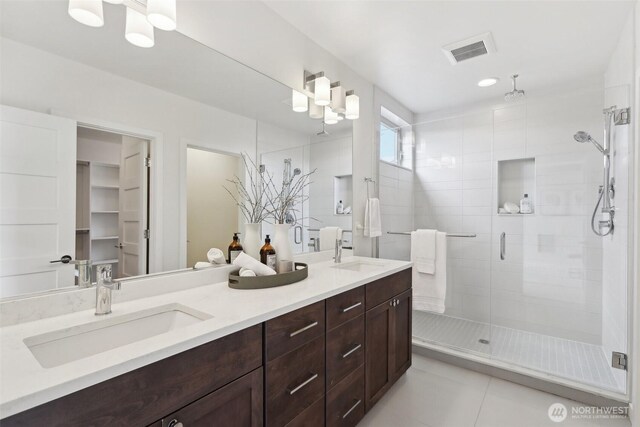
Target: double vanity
{"points": [[319, 352]]}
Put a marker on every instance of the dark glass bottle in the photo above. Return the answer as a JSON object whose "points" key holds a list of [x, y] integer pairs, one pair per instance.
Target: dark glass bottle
{"points": [[234, 249], [268, 254]]}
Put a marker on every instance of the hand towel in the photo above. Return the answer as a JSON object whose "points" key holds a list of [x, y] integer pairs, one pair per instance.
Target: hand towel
{"points": [[372, 218], [429, 290], [245, 272], [201, 264], [328, 237], [245, 261], [423, 251], [216, 256]]}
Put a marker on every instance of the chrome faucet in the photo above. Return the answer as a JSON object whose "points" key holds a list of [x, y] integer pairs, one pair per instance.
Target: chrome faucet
{"points": [[338, 254], [83, 273], [104, 287]]}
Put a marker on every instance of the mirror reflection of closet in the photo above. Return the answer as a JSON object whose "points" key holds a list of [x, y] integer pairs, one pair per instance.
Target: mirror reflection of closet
{"points": [[111, 201]]}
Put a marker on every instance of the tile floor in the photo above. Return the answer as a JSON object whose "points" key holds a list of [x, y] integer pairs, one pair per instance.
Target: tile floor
{"points": [[582, 362], [436, 394]]}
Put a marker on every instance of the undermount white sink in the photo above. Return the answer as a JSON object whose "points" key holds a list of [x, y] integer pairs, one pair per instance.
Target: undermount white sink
{"points": [[359, 266], [67, 345]]}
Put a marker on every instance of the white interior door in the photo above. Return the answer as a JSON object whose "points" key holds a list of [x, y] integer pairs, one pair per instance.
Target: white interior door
{"points": [[132, 220], [37, 201]]}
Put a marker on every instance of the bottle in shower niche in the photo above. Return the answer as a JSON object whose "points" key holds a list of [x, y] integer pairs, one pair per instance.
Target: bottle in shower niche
{"points": [[525, 205], [234, 249], [340, 208], [268, 254]]}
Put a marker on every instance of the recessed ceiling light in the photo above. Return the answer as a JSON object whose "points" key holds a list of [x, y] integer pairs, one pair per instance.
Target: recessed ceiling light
{"points": [[488, 82]]}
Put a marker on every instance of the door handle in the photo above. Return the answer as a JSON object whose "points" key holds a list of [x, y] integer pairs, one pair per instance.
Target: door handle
{"points": [[64, 259], [297, 238], [503, 238]]}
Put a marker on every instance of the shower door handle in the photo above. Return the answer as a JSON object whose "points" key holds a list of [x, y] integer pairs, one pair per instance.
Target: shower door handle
{"points": [[297, 234], [502, 245]]}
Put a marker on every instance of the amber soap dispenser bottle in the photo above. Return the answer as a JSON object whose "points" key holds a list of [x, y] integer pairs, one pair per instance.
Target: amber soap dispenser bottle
{"points": [[234, 249], [268, 254]]}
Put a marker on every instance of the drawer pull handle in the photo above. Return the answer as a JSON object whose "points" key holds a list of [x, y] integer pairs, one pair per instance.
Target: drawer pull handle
{"points": [[350, 352], [306, 328], [355, 405], [351, 307], [174, 423], [307, 381]]}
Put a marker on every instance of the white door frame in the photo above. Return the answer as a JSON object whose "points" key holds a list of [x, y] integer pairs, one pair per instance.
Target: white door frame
{"points": [[186, 143], [156, 145]]}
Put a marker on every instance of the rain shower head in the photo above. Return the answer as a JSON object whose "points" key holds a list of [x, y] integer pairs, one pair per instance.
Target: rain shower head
{"points": [[515, 94], [582, 137]]}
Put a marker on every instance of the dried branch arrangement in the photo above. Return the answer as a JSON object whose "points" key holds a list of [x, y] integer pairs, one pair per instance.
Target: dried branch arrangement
{"points": [[251, 199], [283, 201]]}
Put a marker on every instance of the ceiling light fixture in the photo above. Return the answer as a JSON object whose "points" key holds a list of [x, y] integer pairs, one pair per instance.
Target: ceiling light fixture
{"points": [[162, 14], [488, 82], [87, 12], [299, 101], [353, 106], [138, 31]]}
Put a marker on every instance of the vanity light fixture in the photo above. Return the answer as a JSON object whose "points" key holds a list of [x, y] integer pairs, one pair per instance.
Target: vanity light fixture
{"points": [[141, 18], [352, 105], [319, 86], [138, 32], [162, 14], [488, 82], [299, 101], [315, 111], [87, 12], [330, 117]]}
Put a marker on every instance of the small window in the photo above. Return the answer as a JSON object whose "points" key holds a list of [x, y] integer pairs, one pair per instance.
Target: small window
{"points": [[389, 144]]}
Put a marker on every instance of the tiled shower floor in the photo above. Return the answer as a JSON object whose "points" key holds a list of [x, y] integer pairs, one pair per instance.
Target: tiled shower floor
{"points": [[582, 362]]}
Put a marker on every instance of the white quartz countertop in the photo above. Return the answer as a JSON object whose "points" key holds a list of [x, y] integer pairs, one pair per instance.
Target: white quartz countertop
{"points": [[24, 383]]}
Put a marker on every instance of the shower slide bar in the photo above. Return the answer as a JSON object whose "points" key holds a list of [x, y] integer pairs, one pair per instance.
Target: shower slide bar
{"points": [[408, 233]]}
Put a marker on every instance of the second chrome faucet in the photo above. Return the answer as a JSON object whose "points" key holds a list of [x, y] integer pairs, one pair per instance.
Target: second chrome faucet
{"points": [[104, 287]]}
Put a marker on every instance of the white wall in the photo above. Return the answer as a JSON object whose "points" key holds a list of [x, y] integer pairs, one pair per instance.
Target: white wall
{"points": [[550, 281], [36, 80], [619, 91]]}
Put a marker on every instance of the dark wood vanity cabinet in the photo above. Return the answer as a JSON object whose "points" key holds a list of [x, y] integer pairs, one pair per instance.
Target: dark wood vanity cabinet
{"points": [[324, 364], [388, 334]]}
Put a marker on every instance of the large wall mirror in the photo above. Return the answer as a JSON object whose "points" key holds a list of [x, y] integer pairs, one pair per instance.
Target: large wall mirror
{"points": [[124, 156]]}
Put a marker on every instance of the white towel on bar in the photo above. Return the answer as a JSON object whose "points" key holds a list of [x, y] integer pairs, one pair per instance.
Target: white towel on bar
{"points": [[328, 237], [429, 290], [423, 251], [372, 218]]}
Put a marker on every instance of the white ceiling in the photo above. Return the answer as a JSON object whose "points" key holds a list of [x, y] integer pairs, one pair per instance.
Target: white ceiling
{"points": [[397, 44]]}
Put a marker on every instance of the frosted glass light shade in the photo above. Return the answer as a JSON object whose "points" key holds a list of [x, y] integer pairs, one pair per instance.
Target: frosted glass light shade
{"points": [[138, 32], [315, 111], [162, 14], [330, 117], [338, 99], [322, 91], [299, 101], [87, 12], [353, 107]]}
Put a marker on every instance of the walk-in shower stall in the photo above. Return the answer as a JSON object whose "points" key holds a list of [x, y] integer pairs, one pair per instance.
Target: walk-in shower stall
{"points": [[539, 293]]}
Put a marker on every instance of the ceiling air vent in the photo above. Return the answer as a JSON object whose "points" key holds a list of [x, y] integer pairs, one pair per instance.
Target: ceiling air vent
{"points": [[472, 47]]}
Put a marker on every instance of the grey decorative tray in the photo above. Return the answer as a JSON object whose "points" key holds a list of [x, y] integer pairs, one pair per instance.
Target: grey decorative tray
{"points": [[300, 272]]}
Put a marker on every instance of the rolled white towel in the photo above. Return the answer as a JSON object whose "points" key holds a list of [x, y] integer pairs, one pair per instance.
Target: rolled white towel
{"points": [[216, 256], [201, 264], [250, 263], [245, 272]]}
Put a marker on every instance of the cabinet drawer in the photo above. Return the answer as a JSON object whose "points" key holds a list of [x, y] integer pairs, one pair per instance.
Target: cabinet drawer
{"points": [[345, 350], [294, 329], [383, 289], [345, 402], [344, 307], [294, 382], [313, 416]]}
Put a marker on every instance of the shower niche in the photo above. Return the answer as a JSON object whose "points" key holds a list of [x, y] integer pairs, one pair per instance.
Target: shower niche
{"points": [[516, 177]]}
